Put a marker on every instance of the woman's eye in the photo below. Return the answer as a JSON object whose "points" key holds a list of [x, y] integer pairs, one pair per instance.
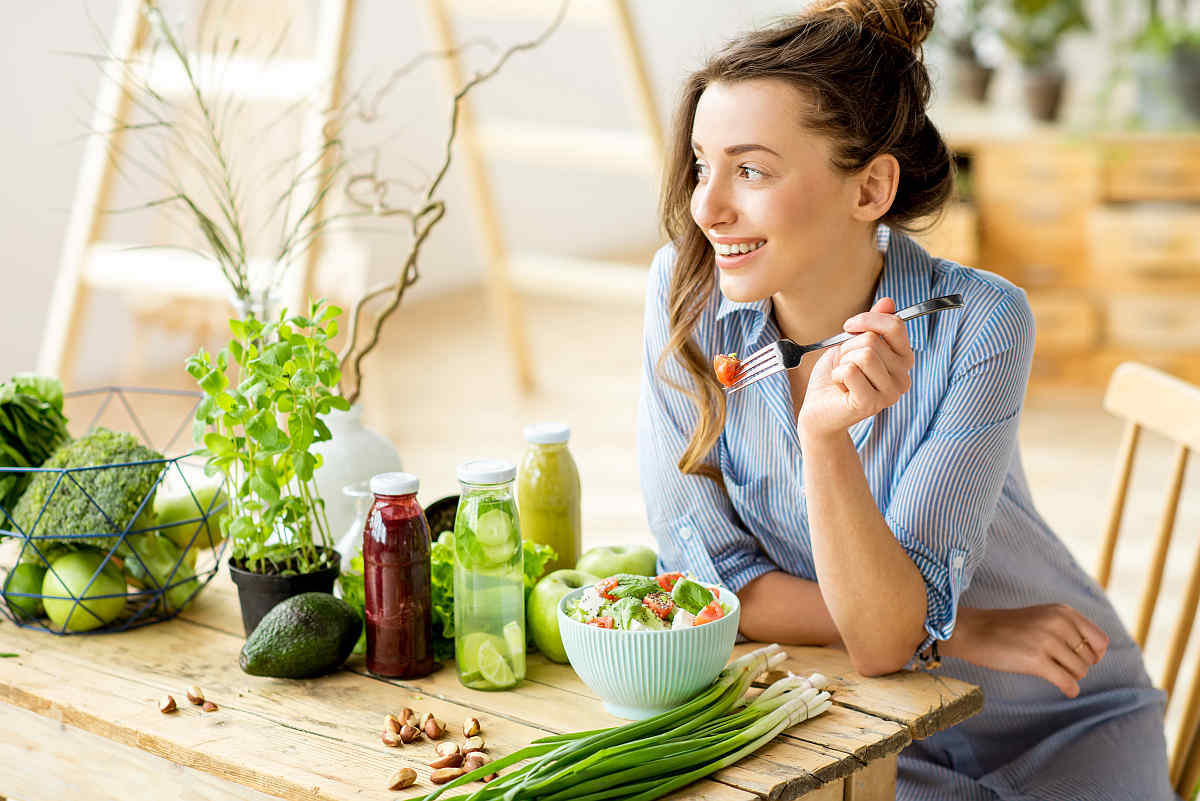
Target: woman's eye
{"points": [[750, 172], [700, 169]]}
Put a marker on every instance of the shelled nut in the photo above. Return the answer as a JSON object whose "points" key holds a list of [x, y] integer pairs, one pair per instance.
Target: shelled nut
{"points": [[489, 777], [195, 695], [443, 775], [392, 724], [471, 727], [475, 760], [447, 748], [390, 738], [409, 734], [447, 761], [405, 777], [472, 744], [166, 704], [209, 706], [407, 717], [433, 729], [425, 718]]}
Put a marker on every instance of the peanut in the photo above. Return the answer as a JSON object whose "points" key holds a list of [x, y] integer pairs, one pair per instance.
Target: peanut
{"points": [[448, 761], [392, 724], [447, 748], [433, 729], [390, 738], [405, 777], [409, 734], [470, 727], [443, 775], [166, 704], [195, 695]]}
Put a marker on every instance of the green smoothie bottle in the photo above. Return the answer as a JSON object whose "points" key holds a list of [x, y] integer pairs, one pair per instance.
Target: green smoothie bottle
{"points": [[548, 493], [489, 578]]}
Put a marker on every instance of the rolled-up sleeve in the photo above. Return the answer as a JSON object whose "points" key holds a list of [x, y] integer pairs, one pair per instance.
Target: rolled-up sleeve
{"points": [[946, 497], [693, 521]]}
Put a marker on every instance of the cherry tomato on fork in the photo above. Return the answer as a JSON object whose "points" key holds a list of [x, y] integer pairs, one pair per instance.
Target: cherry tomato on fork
{"points": [[727, 367]]}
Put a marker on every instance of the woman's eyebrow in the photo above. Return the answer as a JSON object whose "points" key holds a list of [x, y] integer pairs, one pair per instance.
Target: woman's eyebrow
{"points": [[737, 150]]}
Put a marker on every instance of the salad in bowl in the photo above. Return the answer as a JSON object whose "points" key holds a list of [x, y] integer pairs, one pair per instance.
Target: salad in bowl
{"points": [[645, 644], [648, 603]]}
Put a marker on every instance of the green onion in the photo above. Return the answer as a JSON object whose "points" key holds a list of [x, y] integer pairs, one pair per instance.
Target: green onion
{"points": [[646, 759]]}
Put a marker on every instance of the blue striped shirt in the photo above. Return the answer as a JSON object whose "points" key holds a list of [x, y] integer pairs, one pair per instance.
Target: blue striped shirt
{"points": [[943, 466]]}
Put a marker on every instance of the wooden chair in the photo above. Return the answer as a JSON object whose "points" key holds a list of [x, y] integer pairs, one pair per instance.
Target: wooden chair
{"points": [[1149, 399]]}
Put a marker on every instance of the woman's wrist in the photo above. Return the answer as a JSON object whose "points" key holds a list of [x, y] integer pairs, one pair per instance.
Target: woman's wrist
{"points": [[812, 434], [959, 641]]}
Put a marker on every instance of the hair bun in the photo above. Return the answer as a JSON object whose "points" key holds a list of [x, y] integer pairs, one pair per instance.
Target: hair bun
{"points": [[906, 22]]}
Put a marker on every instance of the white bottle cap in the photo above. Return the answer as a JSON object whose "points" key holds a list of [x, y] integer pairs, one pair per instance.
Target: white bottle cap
{"points": [[395, 484], [547, 433], [486, 471]]}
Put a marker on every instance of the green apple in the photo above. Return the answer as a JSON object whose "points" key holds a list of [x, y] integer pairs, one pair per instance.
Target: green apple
{"points": [[541, 615], [68, 578], [608, 560], [173, 507], [25, 577]]}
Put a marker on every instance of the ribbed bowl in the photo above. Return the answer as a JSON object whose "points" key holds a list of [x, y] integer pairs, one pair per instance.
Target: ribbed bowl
{"points": [[638, 674]]}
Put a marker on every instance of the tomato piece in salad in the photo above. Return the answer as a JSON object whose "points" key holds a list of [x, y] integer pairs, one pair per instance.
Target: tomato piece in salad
{"points": [[605, 622], [667, 580], [727, 367], [709, 613], [659, 603], [606, 587]]}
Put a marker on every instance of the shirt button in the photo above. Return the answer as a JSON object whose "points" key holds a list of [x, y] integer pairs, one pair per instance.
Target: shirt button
{"points": [[685, 533]]}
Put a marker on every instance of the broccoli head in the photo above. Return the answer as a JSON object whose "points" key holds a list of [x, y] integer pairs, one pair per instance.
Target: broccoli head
{"points": [[97, 502]]}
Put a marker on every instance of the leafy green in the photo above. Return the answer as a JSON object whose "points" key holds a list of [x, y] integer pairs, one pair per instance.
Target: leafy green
{"points": [[633, 586], [32, 427], [94, 502], [283, 370], [691, 595]]}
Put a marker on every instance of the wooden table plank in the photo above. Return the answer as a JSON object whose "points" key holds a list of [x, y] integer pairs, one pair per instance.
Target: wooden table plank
{"points": [[924, 701]]}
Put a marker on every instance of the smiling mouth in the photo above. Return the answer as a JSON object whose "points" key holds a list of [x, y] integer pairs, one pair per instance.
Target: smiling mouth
{"points": [[739, 248]]}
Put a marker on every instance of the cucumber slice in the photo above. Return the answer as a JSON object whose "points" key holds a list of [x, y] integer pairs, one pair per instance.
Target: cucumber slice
{"points": [[494, 528]]}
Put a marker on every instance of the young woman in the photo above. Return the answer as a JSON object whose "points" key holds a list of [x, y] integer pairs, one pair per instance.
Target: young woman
{"points": [[873, 496]]}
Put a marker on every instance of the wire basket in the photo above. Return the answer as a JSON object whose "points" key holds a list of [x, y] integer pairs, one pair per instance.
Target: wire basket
{"points": [[131, 574]]}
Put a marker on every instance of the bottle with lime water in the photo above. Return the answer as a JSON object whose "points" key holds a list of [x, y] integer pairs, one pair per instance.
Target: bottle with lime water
{"points": [[489, 578]]}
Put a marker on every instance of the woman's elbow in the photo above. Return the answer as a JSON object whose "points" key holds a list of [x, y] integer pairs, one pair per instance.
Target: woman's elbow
{"points": [[883, 658]]}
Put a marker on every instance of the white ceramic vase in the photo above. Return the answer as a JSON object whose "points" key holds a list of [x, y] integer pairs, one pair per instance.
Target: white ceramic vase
{"points": [[353, 455]]}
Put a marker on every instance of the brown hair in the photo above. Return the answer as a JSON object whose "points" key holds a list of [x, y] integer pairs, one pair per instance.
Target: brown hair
{"points": [[861, 63]]}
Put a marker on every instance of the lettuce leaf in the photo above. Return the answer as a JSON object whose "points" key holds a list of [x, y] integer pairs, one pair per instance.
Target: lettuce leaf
{"points": [[691, 595]]}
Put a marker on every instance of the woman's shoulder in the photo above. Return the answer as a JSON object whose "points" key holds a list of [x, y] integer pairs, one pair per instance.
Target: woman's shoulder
{"points": [[996, 312]]}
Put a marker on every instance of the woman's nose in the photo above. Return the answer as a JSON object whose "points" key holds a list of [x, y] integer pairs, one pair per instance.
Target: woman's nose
{"points": [[711, 205]]}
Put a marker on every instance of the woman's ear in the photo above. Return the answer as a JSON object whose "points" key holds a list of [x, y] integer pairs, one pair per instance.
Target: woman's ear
{"points": [[877, 183]]}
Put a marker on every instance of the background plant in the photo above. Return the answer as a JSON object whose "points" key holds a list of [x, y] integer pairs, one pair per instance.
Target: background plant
{"points": [[1034, 28], [283, 370]]}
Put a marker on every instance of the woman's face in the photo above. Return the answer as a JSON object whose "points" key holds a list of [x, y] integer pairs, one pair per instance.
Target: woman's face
{"points": [[767, 185]]}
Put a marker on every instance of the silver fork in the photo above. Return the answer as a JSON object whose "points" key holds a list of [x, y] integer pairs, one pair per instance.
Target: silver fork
{"points": [[784, 354]]}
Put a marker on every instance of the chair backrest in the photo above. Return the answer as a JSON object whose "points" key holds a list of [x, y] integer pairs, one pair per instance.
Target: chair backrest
{"points": [[1151, 400]]}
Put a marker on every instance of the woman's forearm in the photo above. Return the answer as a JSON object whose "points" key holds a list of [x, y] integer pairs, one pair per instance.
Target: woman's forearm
{"points": [[874, 593], [779, 607]]}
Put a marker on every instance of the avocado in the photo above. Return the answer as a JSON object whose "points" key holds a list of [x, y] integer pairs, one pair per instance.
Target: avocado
{"points": [[306, 635]]}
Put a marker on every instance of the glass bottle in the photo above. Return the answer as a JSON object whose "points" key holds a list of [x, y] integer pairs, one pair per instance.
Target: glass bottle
{"points": [[489, 578], [398, 602], [351, 542], [548, 493]]}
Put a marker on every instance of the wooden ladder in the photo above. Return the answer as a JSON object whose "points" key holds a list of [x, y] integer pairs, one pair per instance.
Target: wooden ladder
{"points": [[88, 263], [639, 152]]}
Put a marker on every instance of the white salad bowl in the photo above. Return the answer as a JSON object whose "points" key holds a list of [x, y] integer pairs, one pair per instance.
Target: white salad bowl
{"points": [[639, 674]]}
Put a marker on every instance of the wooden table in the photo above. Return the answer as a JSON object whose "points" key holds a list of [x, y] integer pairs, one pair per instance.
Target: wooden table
{"points": [[80, 720]]}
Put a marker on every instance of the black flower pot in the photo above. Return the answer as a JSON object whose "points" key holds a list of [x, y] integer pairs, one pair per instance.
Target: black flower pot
{"points": [[258, 593], [971, 79], [1044, 93]]}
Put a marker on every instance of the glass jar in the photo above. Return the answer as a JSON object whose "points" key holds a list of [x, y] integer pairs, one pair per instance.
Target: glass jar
{"points": [[351, 542], [399, 601], [548, 493], [489, 578]]}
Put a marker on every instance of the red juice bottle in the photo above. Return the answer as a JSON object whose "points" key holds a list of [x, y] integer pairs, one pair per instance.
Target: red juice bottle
{"points": [[399, 605]]}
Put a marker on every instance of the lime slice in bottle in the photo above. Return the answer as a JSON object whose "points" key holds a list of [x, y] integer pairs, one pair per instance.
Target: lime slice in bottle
{"points": [[493, 665], [493, 528], [514, 637]]}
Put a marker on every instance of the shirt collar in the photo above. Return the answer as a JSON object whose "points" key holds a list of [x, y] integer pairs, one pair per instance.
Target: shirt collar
{"points": [[907, 279]]}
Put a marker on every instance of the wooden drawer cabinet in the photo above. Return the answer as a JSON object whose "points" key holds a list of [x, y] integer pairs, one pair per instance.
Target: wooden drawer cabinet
{"points": [[1166, 322], [1146, 240], [1034, 245], [1152, 169], [956, 235], [1064, 321], [1037, 171]]}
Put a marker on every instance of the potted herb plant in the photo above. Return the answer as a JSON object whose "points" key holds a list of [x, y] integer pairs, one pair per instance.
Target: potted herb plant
{"points": [[266, 393], [1166, 68], [971, 77], [1034, 31]]}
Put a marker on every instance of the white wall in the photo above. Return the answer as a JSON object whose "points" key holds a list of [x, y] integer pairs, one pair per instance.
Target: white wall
{"points": [[574, 78]]}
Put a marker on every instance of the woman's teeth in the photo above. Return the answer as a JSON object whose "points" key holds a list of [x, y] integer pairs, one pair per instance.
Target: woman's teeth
{"points": [[740, 247]]}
